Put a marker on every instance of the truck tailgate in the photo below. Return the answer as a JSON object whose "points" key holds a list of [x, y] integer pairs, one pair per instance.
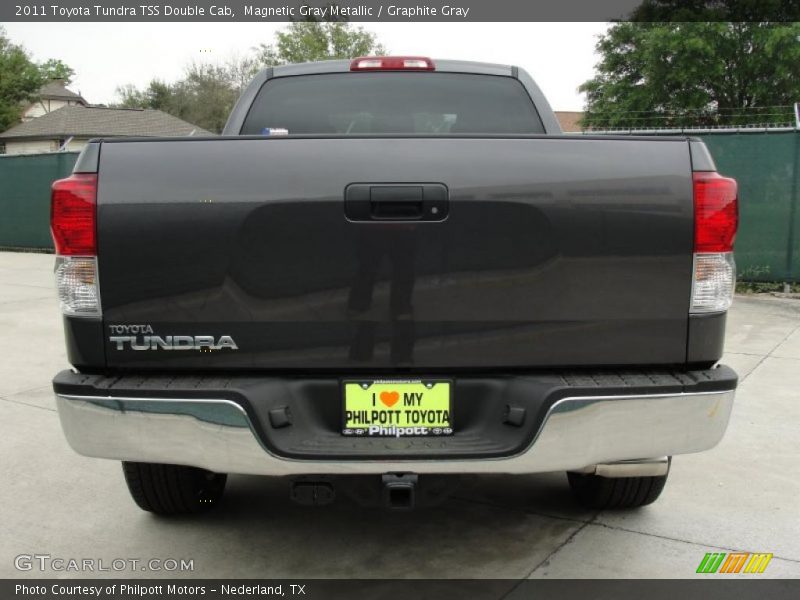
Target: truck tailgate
{"points": [[551, 251]]}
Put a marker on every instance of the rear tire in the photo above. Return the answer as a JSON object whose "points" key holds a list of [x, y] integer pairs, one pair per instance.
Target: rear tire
{"points": [[593, 491], [173, 489]]}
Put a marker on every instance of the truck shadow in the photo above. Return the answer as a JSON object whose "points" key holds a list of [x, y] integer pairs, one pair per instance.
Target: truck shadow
{"points": [[492, 527], [542, 494]]}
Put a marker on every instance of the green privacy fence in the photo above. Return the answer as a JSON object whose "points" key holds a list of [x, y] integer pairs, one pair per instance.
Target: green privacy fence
{"points": [[25, 197], [766, 165]]}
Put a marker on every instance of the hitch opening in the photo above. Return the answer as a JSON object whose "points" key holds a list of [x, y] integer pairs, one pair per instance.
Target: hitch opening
{"points": [[399, 490]]}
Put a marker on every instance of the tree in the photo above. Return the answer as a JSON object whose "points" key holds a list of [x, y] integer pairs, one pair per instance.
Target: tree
{"points": [[131, 97], [204, 96], [304, 41], [694, 74], [56, 69], [158, 95], [20, 78], [241, 70], [206, 93], [732, 11]]}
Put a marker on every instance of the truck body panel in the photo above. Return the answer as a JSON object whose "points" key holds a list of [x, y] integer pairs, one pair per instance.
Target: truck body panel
{"points": [[554, 251]]}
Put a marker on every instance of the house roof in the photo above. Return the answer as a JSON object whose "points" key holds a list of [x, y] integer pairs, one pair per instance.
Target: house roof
{"points": [[56, 89], [95, 121], [569, 120]]}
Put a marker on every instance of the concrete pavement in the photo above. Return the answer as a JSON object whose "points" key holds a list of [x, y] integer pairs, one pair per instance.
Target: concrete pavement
{"points": [[743, 495]]}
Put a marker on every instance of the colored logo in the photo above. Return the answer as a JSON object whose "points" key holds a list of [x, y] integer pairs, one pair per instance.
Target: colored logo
{"points": [[734, 562], [390, 398]]}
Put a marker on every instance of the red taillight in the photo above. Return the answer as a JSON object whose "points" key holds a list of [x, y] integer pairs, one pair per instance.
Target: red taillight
{"points": [[392, 63], [716, 212], [72, 215]]}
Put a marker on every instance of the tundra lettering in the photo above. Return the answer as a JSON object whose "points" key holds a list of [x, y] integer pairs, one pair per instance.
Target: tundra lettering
{"points": [[173, 342]]}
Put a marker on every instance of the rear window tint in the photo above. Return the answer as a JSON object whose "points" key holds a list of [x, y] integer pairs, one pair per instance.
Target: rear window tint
{"points": [[393, 103]]}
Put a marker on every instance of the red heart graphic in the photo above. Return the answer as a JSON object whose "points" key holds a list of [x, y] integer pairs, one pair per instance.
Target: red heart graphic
{"points": [[390, 398]]}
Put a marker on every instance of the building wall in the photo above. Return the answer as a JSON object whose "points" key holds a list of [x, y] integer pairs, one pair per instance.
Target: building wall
{"points": [[569, 120], [39, 146], [42, 107], [29, 147], [76, 144]]}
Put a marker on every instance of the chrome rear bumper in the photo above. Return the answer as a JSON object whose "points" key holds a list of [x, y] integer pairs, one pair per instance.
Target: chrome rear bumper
{"points": [[218, 435]]}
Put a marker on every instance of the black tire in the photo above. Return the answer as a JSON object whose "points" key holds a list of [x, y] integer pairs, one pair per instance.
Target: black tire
{"points": [[593, 491], [173, 489]]}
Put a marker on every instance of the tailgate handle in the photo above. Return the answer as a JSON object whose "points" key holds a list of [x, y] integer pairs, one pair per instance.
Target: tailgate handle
{"points": [[396, 202]]}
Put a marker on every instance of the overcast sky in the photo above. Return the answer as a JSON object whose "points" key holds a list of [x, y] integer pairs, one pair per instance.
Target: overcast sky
{"points": [[560, 56]]}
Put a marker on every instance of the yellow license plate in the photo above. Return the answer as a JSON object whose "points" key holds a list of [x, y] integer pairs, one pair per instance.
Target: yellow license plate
{"points": [[397, 408]]}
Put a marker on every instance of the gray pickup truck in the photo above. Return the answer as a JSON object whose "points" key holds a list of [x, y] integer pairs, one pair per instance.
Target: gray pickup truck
{"points": [[399, 269]]}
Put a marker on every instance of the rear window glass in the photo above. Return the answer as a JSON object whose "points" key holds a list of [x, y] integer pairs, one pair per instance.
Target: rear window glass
{"points": [[393, 103]]}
